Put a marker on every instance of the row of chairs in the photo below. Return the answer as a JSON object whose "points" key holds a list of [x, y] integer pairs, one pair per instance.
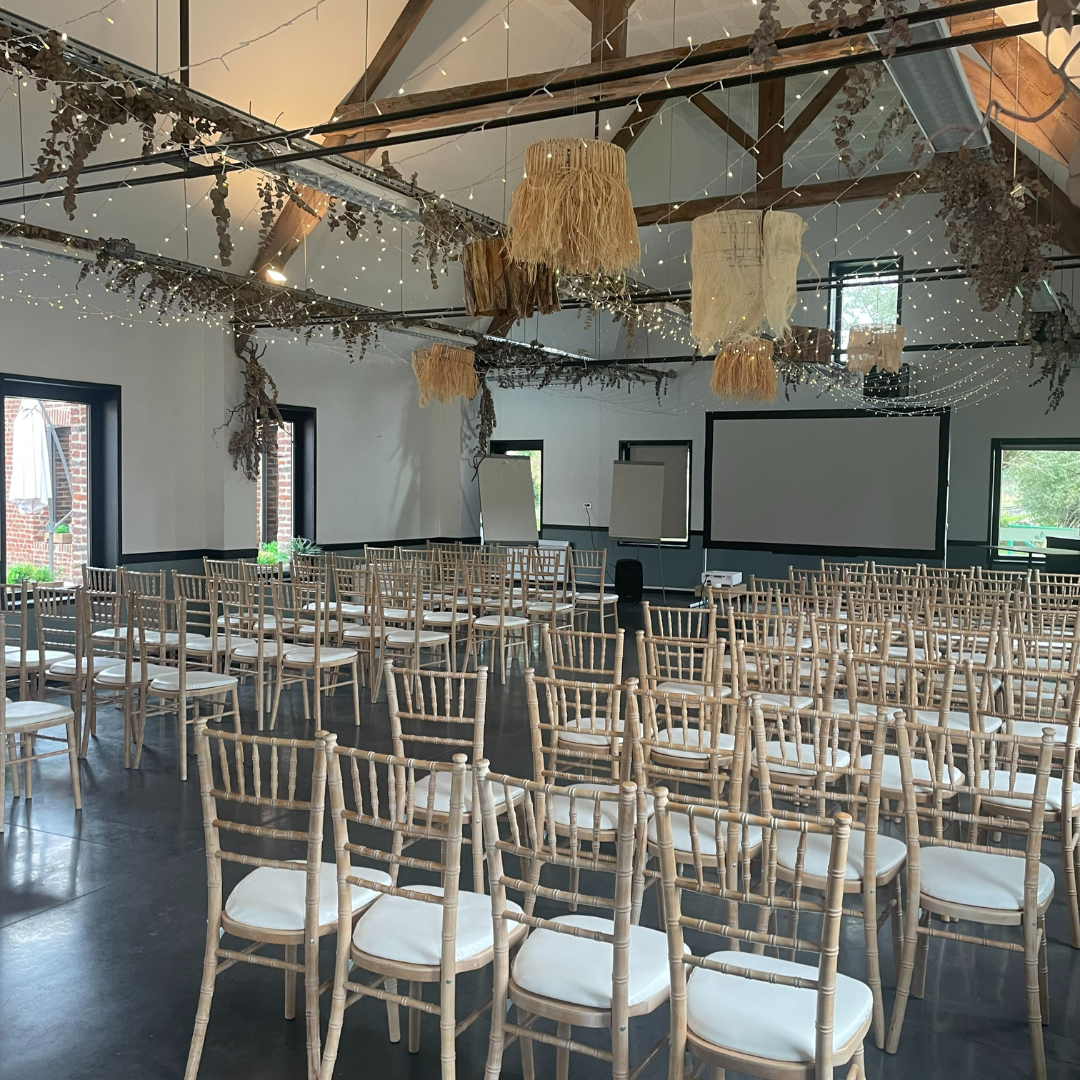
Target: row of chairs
{"points": [[779, 823]]}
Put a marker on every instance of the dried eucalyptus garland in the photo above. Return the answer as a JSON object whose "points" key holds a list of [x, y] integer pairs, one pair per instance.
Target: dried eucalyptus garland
{"points": [[1055, 347], [257, 410]]}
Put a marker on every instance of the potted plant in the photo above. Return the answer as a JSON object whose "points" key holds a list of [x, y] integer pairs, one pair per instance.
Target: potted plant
{"points": [[26, 573], [62, 534], [298, 545]]}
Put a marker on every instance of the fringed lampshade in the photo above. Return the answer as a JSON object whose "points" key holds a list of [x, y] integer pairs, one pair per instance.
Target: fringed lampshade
{"points": [[573, 211], [877, 346], [744, 273], [444, 372], [744, 371], [495, 285]]}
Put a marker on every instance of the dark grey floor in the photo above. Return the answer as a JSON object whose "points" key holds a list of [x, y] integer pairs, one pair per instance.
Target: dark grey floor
{"points": [[103, 916]]}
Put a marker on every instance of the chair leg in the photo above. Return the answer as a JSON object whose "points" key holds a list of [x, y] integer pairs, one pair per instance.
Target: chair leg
{"points": [[918, 987], [3, 783], [415, 990], [318, 692], [873, 960], [1068, 867], [1035, 1020], [73, 762], [11, 761], [896, 917], [859, 1061], [277, 697], [528, 1069], [311, 1007], [356, 691], [562, 1054], [393, 1013], [903, 982], [206, 997], [181, 717], [259, 676], [26, 751], [290, 984], [1044, 974]]}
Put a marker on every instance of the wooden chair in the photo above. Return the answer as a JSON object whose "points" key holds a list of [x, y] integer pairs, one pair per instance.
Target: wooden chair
{"points": [[207, 644], [449, 602], [590, 590], [142, 582], [968, 880], [500, 621], [580, 970], [15, 611], [61, 659], [222, 568], [401, 592], [22, 724], [548, 594], [422, 933], [354, 583], [430, 708], [583, 655], [874, 862], [749, 1012], [105, 639], [281, 901]]}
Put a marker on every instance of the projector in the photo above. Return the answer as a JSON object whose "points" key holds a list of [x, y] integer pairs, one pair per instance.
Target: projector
{"points": [[718, 579]]}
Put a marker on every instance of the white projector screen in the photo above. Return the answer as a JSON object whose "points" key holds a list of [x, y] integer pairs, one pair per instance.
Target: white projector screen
{"points": [[827, 481], [675, 457], [637, 501], [507, 502]]}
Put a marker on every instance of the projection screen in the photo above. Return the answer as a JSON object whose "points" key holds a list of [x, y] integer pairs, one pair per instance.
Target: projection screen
{"points": [[827, 481]]}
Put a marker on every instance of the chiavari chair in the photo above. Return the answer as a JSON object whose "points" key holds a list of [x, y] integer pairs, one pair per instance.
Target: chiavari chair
{"points": [[590, 590], [582, 654], [104, 579], [580, 970], [354, 582], [822, 787], [500, 623], [449, 600], [425, 932], [967, 880], [207, 644], [142, 582], [23, 724], [400, 587], [223, 568], [16, 615], [59, 660], [281, 901], [679, 651], [754, 1013], [549, 595], [252, 644]]}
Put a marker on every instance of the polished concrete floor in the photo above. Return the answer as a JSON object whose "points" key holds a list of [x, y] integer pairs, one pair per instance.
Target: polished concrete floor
{"points": [[103, 916]]}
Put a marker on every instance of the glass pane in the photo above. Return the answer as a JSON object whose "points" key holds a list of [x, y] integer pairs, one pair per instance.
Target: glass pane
{"points": [[47, 471], [865, 301], [1040, 493], [536, 461], [273, 498]]}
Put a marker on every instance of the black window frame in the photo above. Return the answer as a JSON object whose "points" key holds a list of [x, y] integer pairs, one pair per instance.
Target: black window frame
{"points": [[500, 446], [996, 448], [844, 271], [624, 455], [104, 492], [303, 420]]}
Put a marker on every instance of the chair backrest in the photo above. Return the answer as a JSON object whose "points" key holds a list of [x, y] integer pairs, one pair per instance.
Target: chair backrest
{"points": [[256, 571], [239, 773], [143, 582], [430, 709], [57, 620], [581, 654], [588, 569], [201, 594], [225, 568], [101, 578], [706, 874], [691, 660]]}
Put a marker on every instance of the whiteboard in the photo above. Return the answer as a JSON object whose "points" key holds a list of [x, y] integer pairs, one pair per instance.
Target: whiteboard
{"points": [[676, 461], [637, 501], [507, 503], [852, 481]]}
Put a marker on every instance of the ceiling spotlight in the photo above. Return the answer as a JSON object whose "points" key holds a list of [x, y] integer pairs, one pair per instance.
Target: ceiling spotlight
{"points": [[275, 275]]}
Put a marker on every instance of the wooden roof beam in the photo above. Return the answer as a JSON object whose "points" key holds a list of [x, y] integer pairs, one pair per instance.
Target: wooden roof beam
{"points": [[814, 107], [608, 22]]}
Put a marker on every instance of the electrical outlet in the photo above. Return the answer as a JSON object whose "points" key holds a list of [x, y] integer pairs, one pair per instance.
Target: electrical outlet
{"points": [[586, 506]]}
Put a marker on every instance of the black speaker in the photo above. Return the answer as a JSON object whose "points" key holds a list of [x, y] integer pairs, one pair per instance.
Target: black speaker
{"points": [[629, 581]]}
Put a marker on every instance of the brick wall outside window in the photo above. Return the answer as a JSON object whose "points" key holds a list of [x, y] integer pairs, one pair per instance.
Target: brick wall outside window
{"points": [[279, 475]]}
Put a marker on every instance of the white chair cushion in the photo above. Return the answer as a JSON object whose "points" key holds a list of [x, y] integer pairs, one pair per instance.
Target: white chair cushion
{"points": [[67, 667], [441, 804], [686, 743], [695, 689], [249, 650], [890, 853], [514, 622], [362, 633], [795, 757], [33, 657], [1033, 729], [272, 898], [787, 700], [445, 618], [585, 805], [539, 607], [706, 834], [407, 637], [395, 613], [325, 626], [768, 1019], [842, 705], [193, 680], [203, 643], [1023, 784], [594, 598], [956, 720], [410, 931], [589, 731], [301, 655], [111, 632], [920, 772], [115, 676], [979, 878], [578, 970], [35, 713]]}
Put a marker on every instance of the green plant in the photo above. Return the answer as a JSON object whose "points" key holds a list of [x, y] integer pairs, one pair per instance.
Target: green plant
{"points": [[63, 527], [268, 554], [28, 572], [299, 546]]}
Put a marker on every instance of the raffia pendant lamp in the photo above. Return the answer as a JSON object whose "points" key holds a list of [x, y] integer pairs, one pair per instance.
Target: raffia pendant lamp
{"points": [[744, 273], [444, 372], [573, 211], [495, 285], [744, 371], [879, 346]]}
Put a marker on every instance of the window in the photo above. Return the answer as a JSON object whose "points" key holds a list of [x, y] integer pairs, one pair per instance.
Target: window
{"points": [[534, 451], [675, 457], [1036, 491], [285, 493], [865, 292], [61, 460]]}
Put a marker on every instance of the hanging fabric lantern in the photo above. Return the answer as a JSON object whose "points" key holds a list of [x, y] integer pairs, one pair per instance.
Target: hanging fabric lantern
{"points": [[495, 285], [877, 346], [744, 274], [744, 371], [806, 345], [573, 211], [444, 372]]}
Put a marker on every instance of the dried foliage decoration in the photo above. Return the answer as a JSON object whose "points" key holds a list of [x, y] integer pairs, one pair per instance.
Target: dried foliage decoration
{"points": [[763, 40], [983, 207], [1055, 346], [257, 410]]}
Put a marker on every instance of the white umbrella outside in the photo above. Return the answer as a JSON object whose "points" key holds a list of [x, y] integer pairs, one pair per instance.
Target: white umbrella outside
{"points": [[31, 466]]}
